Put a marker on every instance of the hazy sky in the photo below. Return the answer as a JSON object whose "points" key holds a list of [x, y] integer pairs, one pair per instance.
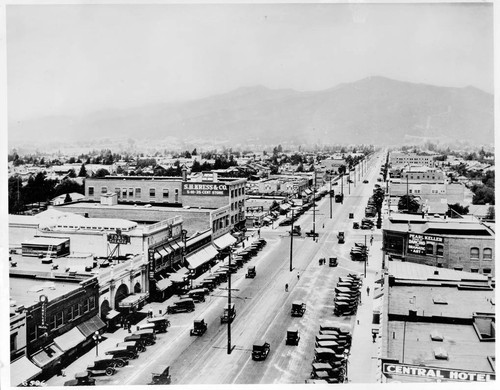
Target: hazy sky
{"points": [[71, 59]]}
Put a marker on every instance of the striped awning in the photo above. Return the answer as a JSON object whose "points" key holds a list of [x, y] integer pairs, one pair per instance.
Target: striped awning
{"points": [[69, 340], [89, 327], [202, 256]]}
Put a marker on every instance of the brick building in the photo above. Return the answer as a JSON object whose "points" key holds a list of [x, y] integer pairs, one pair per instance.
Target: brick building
{"points": [[460, 244]]}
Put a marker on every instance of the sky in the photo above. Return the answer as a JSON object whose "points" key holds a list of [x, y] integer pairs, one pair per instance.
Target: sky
{"points": [[74, 59]]}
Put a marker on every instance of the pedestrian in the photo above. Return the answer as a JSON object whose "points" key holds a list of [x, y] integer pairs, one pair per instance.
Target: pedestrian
{"points": [[298, 275], [374, 336], [371, 240], [323, 225], [259, 233], [286, 287], [243, 245], [368, 291], [128, 327]]}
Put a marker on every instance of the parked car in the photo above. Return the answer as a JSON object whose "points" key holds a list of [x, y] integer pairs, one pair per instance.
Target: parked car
{"points": [[365, 181], [104, 366], [355, 225], [199, 327], [182, 306], [198, 295], [298, 309], [81, 379], [143, 341], [161, 376], [130, 345], [260, 350], [160, 324], [333, 262], [292, 337], [228, 314], [251, 272], [122, 353], [341, 237]]}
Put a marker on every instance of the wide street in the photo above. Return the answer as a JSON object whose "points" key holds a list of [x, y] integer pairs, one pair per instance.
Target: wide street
{"points": [[263, 306]]}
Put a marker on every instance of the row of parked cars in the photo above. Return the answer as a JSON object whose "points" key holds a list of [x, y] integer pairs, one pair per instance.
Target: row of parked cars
{"points": [[347, 295], [333, 343], [119, 356], [359, 252]]}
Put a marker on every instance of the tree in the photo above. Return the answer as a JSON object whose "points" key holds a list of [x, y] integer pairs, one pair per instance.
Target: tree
{"points": [[72, 173], [101, 173], [342, 169], [490, 215], [457, 208], [83, 171], [378, 196], [71, 160], [196, 167], [408, 203], [67, 199]]}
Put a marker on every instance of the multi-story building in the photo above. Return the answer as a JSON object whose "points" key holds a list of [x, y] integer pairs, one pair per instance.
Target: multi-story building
{"points": [[403, 158], [436, 325], [459, 244]]}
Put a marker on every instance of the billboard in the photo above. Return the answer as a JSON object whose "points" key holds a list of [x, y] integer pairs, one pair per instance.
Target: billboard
{"points": [[209, 189], [417, 242]]}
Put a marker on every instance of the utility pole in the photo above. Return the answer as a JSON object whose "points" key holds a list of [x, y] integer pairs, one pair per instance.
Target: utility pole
{"points": [[349, 182], [331, 198], [342, 187], [291, 243], [314, 206], [229, 306], [407, 197]]}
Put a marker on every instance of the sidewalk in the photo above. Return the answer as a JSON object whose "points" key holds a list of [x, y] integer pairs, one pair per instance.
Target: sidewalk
{"points": [[363, 355], [111, 339]]}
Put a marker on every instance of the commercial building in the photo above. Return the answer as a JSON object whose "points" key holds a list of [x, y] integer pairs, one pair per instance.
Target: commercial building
{"points": [[53, 316], [205, 190], [437, 325], [460, 244], [403, 158]]}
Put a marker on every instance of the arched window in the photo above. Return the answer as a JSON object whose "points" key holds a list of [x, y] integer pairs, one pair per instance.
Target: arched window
{"points": [[474, 253], [487, 254], [429, 249], [439, 250]]}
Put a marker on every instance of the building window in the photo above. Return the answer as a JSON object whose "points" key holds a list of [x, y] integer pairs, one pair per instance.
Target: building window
{"points": [[429, 249], [152, 192], [486, 271], [13, 342], [165, 193], [131, 192], [124, 193], [176, 194], [137, 192], [439, 250], [91, 191], [104, 190], [117, 192], [487, 254], [56, 321], [474, 253], [32, 336], [92, 302]]}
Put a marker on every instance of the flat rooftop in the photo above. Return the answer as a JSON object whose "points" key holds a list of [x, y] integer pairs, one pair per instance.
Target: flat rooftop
{"points": [[461, 343], [415, 271], [125, 207]]}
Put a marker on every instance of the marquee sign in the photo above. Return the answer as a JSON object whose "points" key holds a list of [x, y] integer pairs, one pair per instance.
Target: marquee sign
{"points": [[436, 373], [210, 189], [417, 242], [114, 238]]}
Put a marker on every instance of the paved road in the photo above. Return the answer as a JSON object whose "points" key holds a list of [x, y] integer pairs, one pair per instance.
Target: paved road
{"points": [[263, 307]]}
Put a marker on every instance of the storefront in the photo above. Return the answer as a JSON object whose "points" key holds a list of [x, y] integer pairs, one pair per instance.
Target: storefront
{"points": [[22, 371], [200, 261]]}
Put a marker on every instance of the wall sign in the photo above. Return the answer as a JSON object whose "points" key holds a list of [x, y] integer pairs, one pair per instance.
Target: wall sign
{"points": [[417, 242], [210, 189], [436, 373]]}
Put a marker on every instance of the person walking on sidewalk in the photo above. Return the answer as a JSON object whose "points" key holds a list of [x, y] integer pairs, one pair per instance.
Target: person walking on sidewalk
{"points": [[298, 275], [368, 290], [371, 240], [286, 287]]}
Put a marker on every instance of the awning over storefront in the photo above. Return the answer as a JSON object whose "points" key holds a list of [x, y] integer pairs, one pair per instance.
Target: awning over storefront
{"points": [[175, 245], [224, 241], [307, 191], [46, 355], [285, 206], [202, 256], [132, 300], [69, 340], [112, 314], [89, 327], [22, 370], [165, 250], [163, 284], [177, 278], [267, 219]]}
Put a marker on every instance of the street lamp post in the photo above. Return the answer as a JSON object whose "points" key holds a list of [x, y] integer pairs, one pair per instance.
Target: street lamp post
{"points": [[291, 243], [97, 338]]}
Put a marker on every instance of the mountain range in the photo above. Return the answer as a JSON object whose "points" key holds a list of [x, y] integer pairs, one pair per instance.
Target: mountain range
{"points": [[374, 110]]}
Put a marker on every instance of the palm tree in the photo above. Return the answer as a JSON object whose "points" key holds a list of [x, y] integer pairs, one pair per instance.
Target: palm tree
{"points": [[378, 197]]}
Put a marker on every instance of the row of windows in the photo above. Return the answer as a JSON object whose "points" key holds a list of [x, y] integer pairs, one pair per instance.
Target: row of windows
{"points": [[475, 252], [236, 205], [237, 192], [475, 270], [429, 249]]}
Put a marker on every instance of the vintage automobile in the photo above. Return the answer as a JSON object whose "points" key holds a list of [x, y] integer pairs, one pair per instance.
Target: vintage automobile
{"points": [[81, 379], [122, 353], [292, 337], [198, 295], [161, 376], [147, 325], [312, 233], [199, 327], [324, 355], [143, 336], [160, 324], [105, 365], [318, 367], [298, 309], [326, 337], [355, 225], [260, 350], [251, 272], [341, 237], [143, 341], [182, 306], [228, 314], [132, 346], [365, 181], [333, 262]]}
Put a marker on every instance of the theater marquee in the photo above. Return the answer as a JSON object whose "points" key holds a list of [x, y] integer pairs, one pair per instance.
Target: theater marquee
{"points": [[210, 189]]}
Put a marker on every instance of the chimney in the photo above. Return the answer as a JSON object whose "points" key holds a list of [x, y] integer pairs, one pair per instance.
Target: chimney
{"points": [[184, 173]]}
